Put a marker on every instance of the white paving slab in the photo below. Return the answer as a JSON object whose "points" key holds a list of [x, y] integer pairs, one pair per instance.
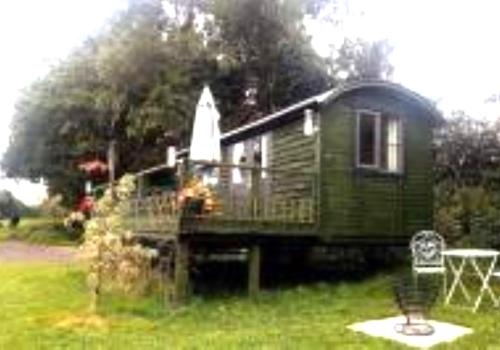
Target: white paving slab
{"points": [[384, 328]]}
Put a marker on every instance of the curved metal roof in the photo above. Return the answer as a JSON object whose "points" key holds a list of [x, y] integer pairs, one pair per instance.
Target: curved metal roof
{"points": [[425, 103], [329, 97]]}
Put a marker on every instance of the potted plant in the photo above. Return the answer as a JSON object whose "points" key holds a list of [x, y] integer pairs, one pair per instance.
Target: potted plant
{"points": [[196, 198]]}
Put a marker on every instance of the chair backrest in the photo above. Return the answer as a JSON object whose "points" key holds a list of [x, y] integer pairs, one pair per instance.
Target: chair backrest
{"points": [[426, 248]]}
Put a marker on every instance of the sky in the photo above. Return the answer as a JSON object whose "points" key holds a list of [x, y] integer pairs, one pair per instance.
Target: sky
{"points": [[34, 35], [446, 50]]}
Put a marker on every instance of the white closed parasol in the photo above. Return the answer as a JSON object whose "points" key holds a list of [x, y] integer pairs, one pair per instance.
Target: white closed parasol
{"points": [[205, 140]]}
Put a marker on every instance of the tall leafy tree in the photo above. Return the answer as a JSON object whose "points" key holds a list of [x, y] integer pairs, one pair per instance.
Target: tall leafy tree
{"points": [[122, 90], [126, 87], [362, 60], [264, 47], [468, 152]]}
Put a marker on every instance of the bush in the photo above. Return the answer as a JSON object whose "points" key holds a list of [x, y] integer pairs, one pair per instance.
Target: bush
{"points": [[468, 216], [75, 223], [14, 221], [114, 261], [52, 207]]}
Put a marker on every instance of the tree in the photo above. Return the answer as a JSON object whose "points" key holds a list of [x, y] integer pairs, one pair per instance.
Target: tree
{"points": [[117, 95], [467, 166], [265, 50], [11, 207], [468, 152], [125, 87], [362, 60]]}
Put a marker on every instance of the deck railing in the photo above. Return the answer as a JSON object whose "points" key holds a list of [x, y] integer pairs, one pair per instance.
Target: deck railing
{"points": [[156, 212], [249, 193], [244, 195]]}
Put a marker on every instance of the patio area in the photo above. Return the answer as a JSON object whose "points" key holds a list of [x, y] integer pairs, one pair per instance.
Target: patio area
{"points": [[473, 289], [385, 328]]}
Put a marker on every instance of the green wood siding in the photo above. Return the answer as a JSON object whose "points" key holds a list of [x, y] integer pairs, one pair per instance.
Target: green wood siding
{"points": [[294, 155], [362, 203]]}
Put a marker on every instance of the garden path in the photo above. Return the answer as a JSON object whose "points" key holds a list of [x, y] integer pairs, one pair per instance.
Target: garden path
{"points": [[16, 251]]}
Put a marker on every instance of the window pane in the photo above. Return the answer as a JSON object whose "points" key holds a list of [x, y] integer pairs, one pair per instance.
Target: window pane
{"points": [[392, 133], [367, 138], [384, 147]]}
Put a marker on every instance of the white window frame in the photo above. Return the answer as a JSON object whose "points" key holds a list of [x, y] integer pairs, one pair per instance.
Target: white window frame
{"points": [[378, 128], [378, 143]]}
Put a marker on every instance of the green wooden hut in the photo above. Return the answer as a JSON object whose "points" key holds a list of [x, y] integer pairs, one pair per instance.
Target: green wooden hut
{"points": [[350, 166]]}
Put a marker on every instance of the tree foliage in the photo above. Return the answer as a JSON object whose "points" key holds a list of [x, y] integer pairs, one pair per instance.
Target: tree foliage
{"points": [[10, 206], [266, 41], [141, 76], [468, 152], [467, 182], [133, 82], [362, 60]]}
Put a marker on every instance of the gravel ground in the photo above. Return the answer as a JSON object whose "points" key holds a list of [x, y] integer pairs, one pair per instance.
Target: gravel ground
{"points": [[14, 251]]}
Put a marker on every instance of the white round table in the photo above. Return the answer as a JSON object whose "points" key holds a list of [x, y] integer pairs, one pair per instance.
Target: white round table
{"points": [[457, 259]]}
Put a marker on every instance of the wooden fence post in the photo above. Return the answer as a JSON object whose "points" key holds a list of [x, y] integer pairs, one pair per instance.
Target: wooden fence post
{"points": [[255, 193]]}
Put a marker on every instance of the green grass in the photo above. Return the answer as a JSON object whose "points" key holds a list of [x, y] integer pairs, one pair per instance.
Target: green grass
{"points": [[38, 230], [33, 298]]}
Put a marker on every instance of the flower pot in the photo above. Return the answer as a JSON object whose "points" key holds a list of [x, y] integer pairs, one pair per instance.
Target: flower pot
{"points": [[193, 206]]}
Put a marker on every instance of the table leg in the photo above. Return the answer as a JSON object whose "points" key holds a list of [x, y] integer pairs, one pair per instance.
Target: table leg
{"points": [[457, 274], [485, 280]]}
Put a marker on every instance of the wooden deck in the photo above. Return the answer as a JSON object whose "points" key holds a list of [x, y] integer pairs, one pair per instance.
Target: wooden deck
{"points": [[263, 201]]}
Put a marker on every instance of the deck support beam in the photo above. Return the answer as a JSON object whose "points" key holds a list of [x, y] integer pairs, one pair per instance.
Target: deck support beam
{"points": [[181, 273], [254, 261]]}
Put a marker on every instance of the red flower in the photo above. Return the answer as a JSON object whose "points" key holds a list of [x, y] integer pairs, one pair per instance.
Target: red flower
{"points": [[94, 167], [86, 205]]}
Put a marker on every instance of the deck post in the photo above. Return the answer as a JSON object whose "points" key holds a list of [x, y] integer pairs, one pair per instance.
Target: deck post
{"points": [[255, 193], [254, 270], [181, 273]]}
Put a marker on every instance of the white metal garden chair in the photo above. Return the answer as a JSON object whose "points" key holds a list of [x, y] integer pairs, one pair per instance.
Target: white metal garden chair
{"points": [[426, 248]]}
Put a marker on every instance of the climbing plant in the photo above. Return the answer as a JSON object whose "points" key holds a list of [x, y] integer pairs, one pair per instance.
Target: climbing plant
{"points": [[113, 260]]}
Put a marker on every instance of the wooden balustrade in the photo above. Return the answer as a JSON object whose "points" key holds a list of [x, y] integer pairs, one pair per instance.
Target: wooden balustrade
{"points": [[265, 196]]}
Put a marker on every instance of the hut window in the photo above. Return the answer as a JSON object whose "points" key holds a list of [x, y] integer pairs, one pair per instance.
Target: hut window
{"points": [[368, 139], [392, 147], [379, 140]]}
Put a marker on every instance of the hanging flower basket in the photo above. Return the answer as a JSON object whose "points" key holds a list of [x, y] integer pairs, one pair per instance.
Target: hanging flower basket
{"points": [[415, 296], [94, 167]]}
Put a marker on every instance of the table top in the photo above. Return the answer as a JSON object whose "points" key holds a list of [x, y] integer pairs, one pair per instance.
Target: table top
{"points": [[471, 253]]}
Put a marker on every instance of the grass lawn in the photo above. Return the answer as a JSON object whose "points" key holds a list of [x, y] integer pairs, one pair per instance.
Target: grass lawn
{"points": [[35, 298], [38, 230]]}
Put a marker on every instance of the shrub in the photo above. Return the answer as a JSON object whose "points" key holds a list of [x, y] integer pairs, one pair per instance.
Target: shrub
{"points": [[52, 207], [75, 222], [14, 220], [468, 216], [115, 262]]}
